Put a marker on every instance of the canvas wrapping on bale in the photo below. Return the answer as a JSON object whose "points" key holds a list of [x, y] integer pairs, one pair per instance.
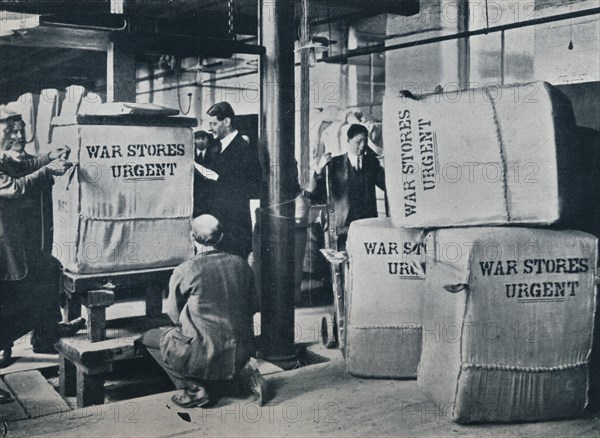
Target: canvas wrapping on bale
{"points": [[127, 202], [508, 319], [385, 284], [486, 156]]}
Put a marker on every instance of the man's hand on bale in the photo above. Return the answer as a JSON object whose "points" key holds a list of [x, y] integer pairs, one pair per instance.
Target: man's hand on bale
{"points": [[61, 152], [59, 167]]}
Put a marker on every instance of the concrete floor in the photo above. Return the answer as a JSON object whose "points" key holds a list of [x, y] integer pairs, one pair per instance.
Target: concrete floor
{"points": [[318, 400], [315, 400]]}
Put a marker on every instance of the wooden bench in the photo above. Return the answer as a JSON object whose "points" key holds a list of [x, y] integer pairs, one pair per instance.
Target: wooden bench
{"points": [[83, 364], [96, 292]]}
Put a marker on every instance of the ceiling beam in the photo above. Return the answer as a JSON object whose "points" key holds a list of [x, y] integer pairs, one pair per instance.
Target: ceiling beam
{"points": [[59, 37], [180, 8], [11, 63], [370, 8], [31, 66], [185, 45], [54, 6]]}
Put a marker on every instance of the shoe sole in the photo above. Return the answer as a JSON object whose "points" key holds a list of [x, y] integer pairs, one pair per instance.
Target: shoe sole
{"points": [[5, 399], [195, 404]]}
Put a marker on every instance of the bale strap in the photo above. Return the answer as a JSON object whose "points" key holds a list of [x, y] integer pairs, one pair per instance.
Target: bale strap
{"points": [[387, 327], [503, 158], [132, 219], [521, 369]]}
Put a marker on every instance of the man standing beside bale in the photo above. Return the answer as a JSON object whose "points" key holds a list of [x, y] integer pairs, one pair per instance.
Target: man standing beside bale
{"points": [[236, 174], [27, 272], [353, 177]]}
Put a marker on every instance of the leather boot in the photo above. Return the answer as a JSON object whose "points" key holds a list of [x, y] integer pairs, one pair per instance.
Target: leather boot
{"points": [[191, 397], [68, 329], [252, 380]]}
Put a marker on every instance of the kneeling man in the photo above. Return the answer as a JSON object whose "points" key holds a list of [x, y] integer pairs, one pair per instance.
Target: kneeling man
{"points": [[210, 302]]}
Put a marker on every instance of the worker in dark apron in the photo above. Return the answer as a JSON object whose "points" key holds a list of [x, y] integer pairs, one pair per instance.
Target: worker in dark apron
{"points": [[28, 278]]}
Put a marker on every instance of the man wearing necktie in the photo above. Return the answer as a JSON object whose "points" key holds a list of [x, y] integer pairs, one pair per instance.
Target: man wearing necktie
{"points": [[206, 149], [352, 180], [235, 176]]}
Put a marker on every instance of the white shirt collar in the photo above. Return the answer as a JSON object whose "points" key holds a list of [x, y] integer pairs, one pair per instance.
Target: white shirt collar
{"points": [[353, 159], [227, 140]]}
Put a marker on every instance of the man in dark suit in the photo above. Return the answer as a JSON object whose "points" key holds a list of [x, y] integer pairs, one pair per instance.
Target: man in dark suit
{"points": [[210, 302], [235, 174], [206, 149], [352, 180]]}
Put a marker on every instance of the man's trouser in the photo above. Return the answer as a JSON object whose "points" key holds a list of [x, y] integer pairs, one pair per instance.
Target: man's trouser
{"points": [[151, 340], [31, 303]]}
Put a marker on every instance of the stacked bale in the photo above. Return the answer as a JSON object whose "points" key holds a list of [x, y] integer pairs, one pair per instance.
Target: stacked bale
{"points": [[508, 318], [482, 157], [507, 313], [385, 285]]}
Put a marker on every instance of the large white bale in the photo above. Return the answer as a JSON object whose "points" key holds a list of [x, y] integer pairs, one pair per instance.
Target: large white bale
{"points": [[486, 156], [128, 201], [508, 319], [386, 281]]}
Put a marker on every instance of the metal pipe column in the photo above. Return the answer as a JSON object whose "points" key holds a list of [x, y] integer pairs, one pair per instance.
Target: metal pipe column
{"points": [[280, 179]]}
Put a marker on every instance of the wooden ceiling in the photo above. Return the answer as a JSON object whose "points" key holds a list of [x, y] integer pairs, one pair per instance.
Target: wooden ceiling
{"points": [[196, 17], [69, 46]]}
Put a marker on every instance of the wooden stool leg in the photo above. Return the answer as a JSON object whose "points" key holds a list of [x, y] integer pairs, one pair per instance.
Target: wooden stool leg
{"points": [[96, 323], [90, 389], [66, 377], [153, 300], [96, 303]]}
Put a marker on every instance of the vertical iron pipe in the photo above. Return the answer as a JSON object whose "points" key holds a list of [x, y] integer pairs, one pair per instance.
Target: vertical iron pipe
{"points": [[280, 180], [304, 98]]}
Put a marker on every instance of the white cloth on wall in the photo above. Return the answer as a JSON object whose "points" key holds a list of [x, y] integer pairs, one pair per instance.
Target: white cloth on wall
{"points": [[48, 107], [71, 100]]}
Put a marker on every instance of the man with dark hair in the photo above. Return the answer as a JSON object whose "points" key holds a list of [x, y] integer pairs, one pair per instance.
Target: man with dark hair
{"points": [[206, 147], [235, 174], [210, 302], [352, 180]]}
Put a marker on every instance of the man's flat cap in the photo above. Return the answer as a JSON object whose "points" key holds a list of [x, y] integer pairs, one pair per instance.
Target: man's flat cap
{"points": [[8, 115]]}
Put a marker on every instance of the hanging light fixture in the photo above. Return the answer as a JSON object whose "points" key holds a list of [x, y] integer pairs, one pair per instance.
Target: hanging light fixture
{"points": [[199, 69], [316, 45]]}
